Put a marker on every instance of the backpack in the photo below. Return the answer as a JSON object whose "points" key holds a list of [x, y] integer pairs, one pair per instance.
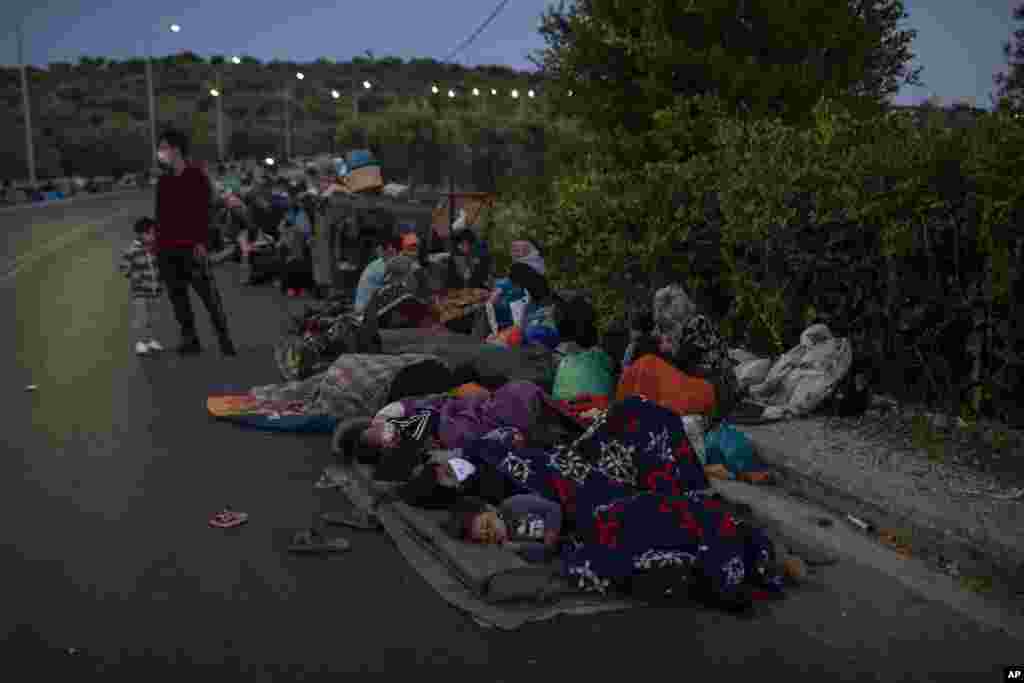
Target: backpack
{"points": [[852, 394]]}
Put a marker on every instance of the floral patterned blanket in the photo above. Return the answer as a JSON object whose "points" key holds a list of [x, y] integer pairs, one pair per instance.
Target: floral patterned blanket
{"points": [[638, 498]]}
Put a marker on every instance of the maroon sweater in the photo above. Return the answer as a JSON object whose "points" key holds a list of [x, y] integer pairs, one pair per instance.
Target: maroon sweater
{"points": [[182, 210]]}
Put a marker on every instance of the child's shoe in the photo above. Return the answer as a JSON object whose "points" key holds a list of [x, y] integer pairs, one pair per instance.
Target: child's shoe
{"points": [[141, 348], [154, 345]]}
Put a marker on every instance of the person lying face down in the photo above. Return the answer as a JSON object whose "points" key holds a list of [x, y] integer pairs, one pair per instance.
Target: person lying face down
{"points": [[526, 524]]}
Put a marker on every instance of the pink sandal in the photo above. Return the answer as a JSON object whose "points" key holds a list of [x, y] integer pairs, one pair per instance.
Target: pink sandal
{"points": [[228, 518]]}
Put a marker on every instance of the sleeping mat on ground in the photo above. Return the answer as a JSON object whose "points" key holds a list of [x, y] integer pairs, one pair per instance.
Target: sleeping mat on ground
{"points": [[278, 416], [462, 572]]}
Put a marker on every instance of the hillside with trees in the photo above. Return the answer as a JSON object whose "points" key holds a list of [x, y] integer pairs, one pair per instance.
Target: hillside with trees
{"points": [[92, 118]]}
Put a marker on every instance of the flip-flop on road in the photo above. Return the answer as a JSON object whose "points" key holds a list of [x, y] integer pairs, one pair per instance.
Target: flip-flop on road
{"points": [[312, 542]]}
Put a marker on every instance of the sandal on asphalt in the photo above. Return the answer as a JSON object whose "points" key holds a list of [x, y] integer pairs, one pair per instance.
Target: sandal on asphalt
{"points": [[352, 519], [326, 481], [311, 541], [228, 518]]}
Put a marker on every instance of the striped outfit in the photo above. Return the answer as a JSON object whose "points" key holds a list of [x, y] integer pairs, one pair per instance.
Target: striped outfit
{"points": [[138, 264]]}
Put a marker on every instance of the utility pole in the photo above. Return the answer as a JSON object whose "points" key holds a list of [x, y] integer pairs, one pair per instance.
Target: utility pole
{"points": [[220, 118], [152, 108], [287, 124], [355, 98], [29, 146]]}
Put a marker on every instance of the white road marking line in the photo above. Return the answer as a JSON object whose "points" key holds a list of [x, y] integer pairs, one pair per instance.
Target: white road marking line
{"points": [[25, 261]]}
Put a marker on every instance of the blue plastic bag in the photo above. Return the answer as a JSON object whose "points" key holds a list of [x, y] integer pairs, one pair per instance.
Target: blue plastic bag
{"points": [[728, 446], [359, 158]]}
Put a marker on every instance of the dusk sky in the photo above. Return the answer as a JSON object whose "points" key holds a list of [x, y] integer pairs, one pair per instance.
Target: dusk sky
{"points": [[959, 43]]}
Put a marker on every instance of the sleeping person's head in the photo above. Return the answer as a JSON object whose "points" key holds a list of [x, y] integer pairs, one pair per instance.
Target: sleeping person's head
{"points": [[474, 520]]}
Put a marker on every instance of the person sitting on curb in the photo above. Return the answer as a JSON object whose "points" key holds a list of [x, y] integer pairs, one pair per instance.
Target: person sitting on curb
{"points": [[374, 275]]}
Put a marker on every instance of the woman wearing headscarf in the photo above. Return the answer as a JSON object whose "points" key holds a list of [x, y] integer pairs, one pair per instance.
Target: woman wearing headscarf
{"points": [[507, 299], [684, 363]]}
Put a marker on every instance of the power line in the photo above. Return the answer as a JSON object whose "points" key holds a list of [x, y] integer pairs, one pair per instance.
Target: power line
{"points": [[468, 41]]}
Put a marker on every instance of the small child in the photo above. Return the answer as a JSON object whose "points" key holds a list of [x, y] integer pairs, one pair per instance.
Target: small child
{"points": [[138, 264], [527, 524]]}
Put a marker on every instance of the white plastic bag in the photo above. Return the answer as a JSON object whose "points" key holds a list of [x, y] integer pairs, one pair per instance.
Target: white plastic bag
{"points": [[752, 372], [519, 310]]}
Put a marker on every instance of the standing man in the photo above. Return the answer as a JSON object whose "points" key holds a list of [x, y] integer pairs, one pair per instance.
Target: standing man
{"points": [[183, 220]]}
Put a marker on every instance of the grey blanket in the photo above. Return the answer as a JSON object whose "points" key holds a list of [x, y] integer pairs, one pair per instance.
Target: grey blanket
{"points": [[457, 570], [532, 364]]}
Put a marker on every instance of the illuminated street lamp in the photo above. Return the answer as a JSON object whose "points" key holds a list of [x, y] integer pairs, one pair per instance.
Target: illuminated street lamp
{"points": [[476, 92], [269, 161], [335, 94], [236, 60], [214, 92], [515, 94], [493, 91], [531, 94], [434, 89], [451, 93]]}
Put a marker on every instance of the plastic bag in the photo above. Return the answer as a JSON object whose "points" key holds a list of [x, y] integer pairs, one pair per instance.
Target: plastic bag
{"points": [[728, 446], [752, 372], [587, 372]]}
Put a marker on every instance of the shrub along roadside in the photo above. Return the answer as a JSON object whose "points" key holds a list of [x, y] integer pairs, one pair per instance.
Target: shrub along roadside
{"points": [[908, 240]]}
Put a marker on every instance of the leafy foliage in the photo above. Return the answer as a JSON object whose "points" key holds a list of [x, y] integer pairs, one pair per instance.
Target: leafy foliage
{"points": [[624, 61], [1011, 83], [904, 238]]}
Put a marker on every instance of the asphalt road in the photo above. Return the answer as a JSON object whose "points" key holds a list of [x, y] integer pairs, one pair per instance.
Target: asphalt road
{"points": [[111, 468]]}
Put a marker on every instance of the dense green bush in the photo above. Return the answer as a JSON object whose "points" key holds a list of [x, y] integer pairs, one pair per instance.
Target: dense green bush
{"points": [[902, 238]]}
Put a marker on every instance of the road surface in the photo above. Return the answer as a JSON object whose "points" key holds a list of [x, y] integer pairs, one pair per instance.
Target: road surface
{"points": [[112, 467]]}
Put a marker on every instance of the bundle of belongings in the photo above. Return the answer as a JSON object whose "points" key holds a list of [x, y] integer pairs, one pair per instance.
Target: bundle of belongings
{"points": [[321, 336], [521, 309], [800, 381]]}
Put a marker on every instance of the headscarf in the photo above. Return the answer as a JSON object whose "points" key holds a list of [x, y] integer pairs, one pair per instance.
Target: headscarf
{"points": [[532, 257], [673, 309]]}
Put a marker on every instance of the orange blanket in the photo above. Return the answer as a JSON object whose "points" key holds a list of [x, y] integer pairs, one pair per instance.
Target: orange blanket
{"points": [[652, 378]]}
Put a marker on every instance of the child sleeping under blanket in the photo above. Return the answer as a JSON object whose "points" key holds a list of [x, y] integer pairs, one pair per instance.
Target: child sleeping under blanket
{"points": [[637, 500], [526, 524]]}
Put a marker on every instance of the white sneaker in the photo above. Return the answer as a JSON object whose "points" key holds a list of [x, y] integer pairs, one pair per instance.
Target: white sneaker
{"points": [[154, 345], [141, 348]]}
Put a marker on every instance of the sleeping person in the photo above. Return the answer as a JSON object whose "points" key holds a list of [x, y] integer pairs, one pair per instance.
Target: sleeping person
{"points": [[526, 524]]}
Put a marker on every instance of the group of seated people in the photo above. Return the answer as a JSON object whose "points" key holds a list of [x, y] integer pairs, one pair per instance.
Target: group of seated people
{"points": [[276, 232], [605, 481]]}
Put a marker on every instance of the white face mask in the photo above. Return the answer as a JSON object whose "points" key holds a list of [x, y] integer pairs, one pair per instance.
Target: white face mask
{"points": [[164, 157]]}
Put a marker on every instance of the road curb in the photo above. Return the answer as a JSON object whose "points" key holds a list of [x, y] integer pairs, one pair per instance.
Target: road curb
{"points": [[796, 522], [929, 544]]}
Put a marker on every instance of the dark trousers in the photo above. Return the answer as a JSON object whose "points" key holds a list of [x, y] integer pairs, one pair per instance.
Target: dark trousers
{"points": [[179, 268]]}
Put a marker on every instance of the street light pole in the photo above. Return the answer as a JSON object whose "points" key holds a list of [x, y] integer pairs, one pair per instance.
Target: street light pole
{"points": [[220, 119], [287, 124], [152, 99], [152, 108], [29, 143]]}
